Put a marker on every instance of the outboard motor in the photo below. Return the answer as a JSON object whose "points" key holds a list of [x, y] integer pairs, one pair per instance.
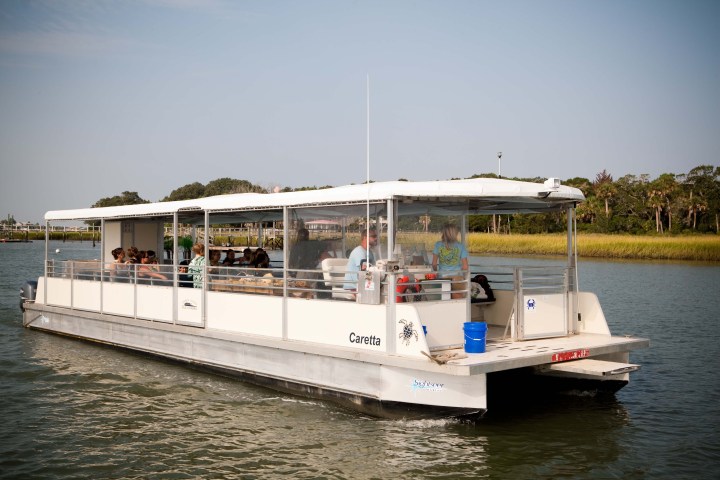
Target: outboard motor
{"points": [[27, 293]]}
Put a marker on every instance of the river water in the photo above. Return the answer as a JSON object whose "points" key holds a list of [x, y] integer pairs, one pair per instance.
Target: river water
{"points": [[73, 410]]}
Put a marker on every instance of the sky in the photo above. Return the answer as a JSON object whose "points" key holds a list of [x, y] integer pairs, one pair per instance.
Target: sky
{"points": [[100, 97]]}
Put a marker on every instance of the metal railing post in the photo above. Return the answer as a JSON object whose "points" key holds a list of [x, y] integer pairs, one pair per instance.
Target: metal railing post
{"points": [[519, 304]]}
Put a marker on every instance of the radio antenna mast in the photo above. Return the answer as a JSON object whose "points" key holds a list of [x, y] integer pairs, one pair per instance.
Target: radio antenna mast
{"points": [[367, 163]]}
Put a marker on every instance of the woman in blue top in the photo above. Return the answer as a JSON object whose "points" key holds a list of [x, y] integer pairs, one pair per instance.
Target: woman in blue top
{"points": [[450, 258]]}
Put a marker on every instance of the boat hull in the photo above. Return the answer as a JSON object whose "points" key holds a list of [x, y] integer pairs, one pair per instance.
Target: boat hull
{"points": [[524, 383], [376, 389]]}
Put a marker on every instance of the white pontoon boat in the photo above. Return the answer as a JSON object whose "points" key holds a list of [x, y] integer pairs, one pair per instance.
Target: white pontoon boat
{"points": [[391, 346]]}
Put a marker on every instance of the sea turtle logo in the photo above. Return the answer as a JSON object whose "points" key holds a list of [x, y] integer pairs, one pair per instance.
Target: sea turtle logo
{"points": [[408, 332]]}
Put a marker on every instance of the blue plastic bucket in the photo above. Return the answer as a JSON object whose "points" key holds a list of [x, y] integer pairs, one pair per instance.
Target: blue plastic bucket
{"points": [[475, 336]]}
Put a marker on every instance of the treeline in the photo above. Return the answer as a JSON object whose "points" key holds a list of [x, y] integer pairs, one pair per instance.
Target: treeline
{"points": [[671, 203]]}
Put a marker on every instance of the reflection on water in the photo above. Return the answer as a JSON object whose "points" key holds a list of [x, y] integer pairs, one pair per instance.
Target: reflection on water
{"points": [[575, 435], [76, 410], [103, 410]]}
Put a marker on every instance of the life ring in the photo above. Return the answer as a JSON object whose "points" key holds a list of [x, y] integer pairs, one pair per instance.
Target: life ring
{"points": [[409, 292], [401, 288]]}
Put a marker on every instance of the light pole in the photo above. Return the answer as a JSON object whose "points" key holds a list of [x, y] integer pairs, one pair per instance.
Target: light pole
{"points": [[497, 225]]}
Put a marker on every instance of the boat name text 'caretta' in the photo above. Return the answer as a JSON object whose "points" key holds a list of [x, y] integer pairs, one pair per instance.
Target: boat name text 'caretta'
{"points": [[371, 340]]}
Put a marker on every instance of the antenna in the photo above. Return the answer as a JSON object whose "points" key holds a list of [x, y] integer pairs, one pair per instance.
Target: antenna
{"points": [[367, 146], [367, 162]]}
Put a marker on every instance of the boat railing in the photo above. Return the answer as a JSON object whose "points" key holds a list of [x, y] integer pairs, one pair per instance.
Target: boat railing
{"points": [[75, 269], [541, 302], [299, 282], [420, 288], [506, 277], [305, 283], [156, 274], [499, 278], [528, 279]]}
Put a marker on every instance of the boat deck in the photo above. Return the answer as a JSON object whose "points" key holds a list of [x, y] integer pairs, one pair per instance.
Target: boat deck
{"points": [[503, 354]]}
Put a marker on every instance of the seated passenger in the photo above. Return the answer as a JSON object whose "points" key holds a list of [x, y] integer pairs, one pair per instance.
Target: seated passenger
{"points": [[152, 258], [184, 280], [214, 260], [359, 258], [119, 255], [146, 269], [260, 260], [133, 255], [230, 259], [246, 259], [132, 259], [118, 270]]}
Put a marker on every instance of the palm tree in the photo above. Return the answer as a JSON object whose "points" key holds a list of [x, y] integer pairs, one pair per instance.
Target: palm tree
{"points": [[655, 199], [704, 193], [659, 194], [604, 189]]}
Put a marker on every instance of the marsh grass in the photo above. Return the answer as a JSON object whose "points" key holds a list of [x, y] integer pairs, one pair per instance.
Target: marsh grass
{"points": [[704, 248], [701, 248]]}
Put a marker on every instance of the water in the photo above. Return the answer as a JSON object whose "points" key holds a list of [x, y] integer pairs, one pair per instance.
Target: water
{"points": [[76, 410]]}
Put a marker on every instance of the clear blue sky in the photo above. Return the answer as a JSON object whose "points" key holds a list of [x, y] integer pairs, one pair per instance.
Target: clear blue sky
{"points": [[98, 97]]}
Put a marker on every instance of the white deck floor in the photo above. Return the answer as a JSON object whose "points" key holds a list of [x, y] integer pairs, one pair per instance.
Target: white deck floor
{"points": [[503, 354]]}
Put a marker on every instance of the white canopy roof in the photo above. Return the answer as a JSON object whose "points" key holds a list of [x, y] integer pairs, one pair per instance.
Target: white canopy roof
{"points": [[485, 195]]}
